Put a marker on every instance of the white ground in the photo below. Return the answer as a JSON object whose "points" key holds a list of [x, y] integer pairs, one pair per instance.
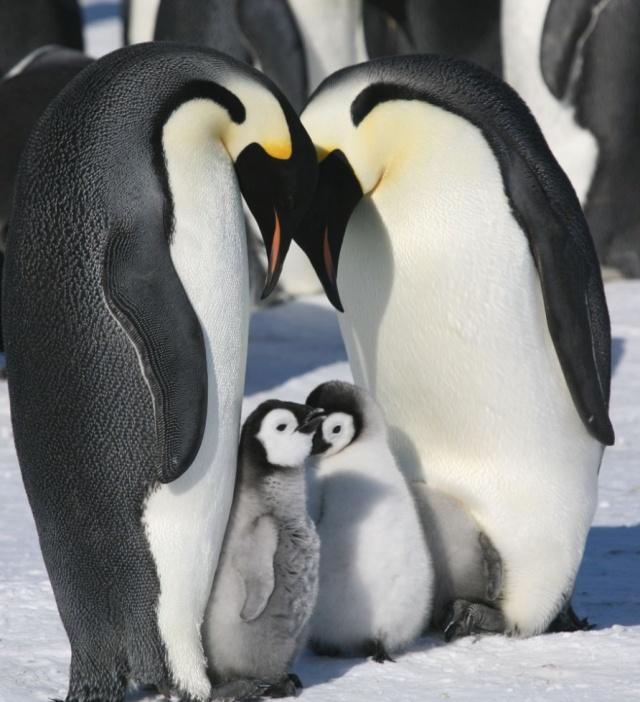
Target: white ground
{"points": [[293, 347]]}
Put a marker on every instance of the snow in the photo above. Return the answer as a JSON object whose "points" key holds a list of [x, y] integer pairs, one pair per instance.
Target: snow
{"points": [[293, 347]]}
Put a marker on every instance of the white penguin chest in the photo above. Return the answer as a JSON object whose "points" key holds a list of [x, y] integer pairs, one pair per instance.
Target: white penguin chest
{"points": [[185, 520], [445, 324]]}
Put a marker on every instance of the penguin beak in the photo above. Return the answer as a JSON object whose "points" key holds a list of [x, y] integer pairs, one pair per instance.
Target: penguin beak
{"points": [[322, 232], [278, 191], [311, 422]]}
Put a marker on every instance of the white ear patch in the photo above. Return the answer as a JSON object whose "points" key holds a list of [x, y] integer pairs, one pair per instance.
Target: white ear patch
{"points": [[338, 431], [284, 445]]}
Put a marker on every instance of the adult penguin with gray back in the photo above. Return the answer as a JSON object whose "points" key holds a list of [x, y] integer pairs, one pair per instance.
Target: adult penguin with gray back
{"points": [[267, 581], [126, 329], [474, 312]]}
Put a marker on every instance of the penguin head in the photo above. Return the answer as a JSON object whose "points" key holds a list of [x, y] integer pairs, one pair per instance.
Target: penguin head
{"points": [[346, 409], [364, 122], [275, 163], [279, 435]]}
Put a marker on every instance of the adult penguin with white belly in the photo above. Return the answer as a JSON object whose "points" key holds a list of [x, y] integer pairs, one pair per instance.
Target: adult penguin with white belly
{"points": [[126, 331], [474, 312]]}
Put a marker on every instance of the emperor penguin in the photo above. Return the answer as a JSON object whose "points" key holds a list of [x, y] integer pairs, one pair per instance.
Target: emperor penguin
{"points": [[126, 310], [27, 25], [474, 310], [266, 585], [376, 576]]}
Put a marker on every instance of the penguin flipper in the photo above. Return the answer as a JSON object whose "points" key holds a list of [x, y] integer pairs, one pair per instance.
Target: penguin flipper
{"points": [[565, 24], [546, 207], [254, 562], [273, 33], [147, 298]]}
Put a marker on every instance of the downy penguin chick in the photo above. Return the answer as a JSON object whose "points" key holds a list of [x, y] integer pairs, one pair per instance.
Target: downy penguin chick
{"points": [[376, 575], [266, 585]]}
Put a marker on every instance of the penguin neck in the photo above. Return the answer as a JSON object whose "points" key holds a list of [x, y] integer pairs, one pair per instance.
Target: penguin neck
{"points": [[209, 251], [283, 492]]}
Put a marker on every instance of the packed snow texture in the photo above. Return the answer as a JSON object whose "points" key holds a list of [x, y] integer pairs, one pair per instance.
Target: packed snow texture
{"points": [[292, 348]]}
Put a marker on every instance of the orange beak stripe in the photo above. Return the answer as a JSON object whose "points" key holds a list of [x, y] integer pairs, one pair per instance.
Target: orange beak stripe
{"points": [[275, 245], [328, 258]]}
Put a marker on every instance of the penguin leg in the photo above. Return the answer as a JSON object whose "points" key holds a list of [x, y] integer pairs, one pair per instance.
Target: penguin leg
{"points": [[289, 686], [245, 689], [568, 620], [97, 675], [378, 652], [468, 618], [492, 566]]}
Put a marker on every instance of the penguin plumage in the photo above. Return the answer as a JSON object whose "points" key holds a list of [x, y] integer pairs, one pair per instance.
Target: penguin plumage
{"points": [[266, 585], [24, 94], [376, 575], [474, 307], [126, 322]]}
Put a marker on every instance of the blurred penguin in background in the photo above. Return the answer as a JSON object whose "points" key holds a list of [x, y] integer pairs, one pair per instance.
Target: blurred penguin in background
{"points": [[467, 29], [577, 65], [26, 25]]}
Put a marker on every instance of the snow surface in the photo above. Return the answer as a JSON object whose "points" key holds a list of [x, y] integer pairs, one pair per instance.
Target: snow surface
{"points": [[293, 347]]}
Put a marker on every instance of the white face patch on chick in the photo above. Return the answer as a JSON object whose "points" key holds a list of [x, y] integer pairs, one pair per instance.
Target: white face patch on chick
{"points": [[338, 430], [283, 443]]}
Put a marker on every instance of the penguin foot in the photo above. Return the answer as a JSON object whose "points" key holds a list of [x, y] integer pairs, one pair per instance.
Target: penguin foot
{"points": [[568, 620], [492, 566], [466, 618], [246, 690], [378, 652], [289, 686]]}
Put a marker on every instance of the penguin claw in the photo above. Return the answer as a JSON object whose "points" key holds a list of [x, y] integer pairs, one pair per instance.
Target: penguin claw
{"points": [[289, 686], [378, 652], [468, 618], [568, 620]]}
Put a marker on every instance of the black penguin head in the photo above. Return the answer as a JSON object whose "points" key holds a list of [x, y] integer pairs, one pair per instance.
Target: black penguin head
{"points": [[279, 435], [344, 405], [276, 167]]}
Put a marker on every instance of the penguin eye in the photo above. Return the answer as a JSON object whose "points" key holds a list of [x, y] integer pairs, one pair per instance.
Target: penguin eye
{"points": [[337, 429], [281, 427]]}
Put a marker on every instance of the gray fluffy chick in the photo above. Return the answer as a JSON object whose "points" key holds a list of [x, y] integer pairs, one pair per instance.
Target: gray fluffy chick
{"points": [[266, 585]]}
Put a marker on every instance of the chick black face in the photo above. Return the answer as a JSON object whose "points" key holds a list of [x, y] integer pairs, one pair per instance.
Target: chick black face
{"points": [[280, 434], [344, 419]]}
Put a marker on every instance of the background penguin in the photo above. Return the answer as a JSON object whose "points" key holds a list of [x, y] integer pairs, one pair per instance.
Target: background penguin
{"points": [[590, 59], [376, 576], [474, 307], [126, 310], [267, 581], [577, 65], [468, 29], [26, 25]]}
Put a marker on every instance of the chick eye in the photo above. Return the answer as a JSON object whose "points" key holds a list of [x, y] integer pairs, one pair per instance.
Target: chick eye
{"points": [[281, 427], [337, 429]]}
